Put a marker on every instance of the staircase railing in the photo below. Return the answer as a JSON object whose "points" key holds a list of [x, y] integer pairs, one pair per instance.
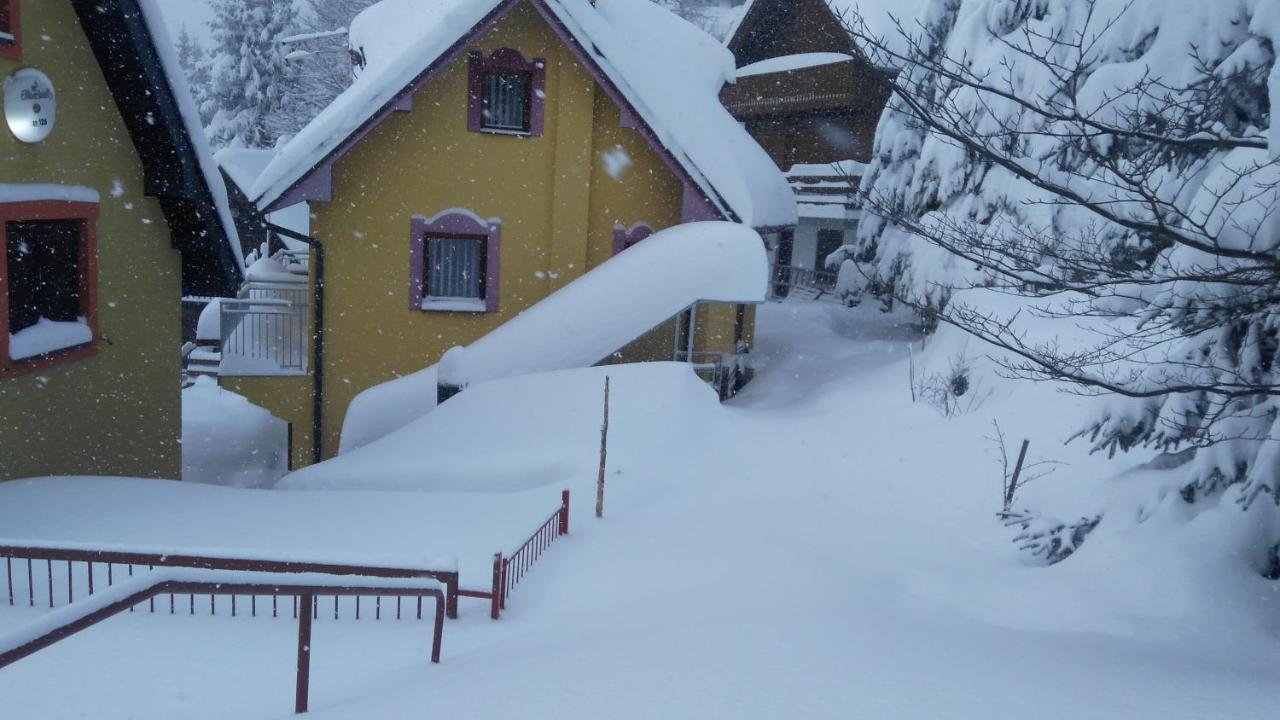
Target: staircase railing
{"points": [[88, 568], [71, 619], [508, 570]]}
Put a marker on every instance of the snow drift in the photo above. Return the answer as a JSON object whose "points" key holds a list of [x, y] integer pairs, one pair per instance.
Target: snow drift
{"points": [[547, 426]]}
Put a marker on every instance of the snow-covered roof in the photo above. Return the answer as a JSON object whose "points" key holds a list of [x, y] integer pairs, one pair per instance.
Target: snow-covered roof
{"points": [[737, 20], [191, 121], [669, 71], [587, 320], [244, 165]]}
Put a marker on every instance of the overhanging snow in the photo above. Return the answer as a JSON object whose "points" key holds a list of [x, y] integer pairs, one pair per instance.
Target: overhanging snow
{"points": [[588, 319]]}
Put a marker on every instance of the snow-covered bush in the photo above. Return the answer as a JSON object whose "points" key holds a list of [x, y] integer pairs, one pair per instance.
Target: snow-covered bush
{"points": [[1115, 164]]}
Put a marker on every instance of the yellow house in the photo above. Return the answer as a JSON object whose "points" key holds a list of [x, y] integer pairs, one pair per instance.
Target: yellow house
{"points": [[488, 153], [108, 214]]}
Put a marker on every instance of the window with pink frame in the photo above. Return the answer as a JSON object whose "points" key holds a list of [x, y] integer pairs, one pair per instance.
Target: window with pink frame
{"points": [[453, 262]]}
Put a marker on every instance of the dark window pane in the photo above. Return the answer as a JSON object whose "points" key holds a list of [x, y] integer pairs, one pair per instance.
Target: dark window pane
{"points": [[506, 99], [44, 272], [829, 241], [455, 268]]}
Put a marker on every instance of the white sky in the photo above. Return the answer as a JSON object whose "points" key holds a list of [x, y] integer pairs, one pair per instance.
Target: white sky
{"points": [[192, 13]]}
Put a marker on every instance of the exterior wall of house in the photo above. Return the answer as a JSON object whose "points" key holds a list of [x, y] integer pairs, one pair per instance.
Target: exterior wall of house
{"points": [[805, 251], [118, 411], [555, 200], [288, 398]]}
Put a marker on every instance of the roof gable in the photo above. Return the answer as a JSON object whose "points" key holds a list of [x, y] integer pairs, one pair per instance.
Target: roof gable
{"points": [[774, 28], [136, 59], [723, 163]]}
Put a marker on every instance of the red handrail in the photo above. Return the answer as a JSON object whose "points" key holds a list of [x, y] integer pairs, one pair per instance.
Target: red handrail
{"points": [[505, 578], [130, 559], [91, 611]]}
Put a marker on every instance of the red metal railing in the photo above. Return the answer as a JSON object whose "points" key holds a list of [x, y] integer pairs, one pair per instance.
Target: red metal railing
{"points": [[91, 611], [86, 570], [508, 571]]}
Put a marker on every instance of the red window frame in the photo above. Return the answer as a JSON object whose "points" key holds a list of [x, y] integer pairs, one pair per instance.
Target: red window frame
{"points": [[12, 50], [86, 214]]}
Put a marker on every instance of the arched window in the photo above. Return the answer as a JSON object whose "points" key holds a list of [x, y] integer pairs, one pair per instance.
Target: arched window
{"points": [[624, 237], [453, 262]]}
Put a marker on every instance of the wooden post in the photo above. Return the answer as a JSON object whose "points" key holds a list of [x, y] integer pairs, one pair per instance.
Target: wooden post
{"points": [[1017, 470], [604, 446], [304, 654], [564, 513], [495, 606]]}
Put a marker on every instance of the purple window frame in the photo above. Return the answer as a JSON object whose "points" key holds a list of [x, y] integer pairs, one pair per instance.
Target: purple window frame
{"points": [[506, 61], [624, 237], [453, 223]]}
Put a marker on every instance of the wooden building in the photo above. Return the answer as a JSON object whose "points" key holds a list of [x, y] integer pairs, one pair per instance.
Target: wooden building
{"points": [[489, 153], [109, 213], [810, 100]]}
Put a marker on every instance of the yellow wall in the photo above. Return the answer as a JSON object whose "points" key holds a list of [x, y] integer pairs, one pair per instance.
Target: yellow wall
{"points": [[557, 205], [118, 412], [284, 397]]}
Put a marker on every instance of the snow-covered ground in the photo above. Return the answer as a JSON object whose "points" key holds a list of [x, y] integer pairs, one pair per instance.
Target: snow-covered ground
{"points": [[822, 547], [227, 440]]}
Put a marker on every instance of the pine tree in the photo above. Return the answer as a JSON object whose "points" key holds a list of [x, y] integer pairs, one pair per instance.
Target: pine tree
{"points": [[195, 65], [248, 71]]}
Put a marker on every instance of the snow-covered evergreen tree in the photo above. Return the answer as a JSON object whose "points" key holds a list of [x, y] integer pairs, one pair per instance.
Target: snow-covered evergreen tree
{"points": [[248, 71], [1117, 162]]}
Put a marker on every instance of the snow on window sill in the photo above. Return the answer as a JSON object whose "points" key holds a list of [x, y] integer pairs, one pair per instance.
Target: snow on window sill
{"points": [[434, 304], [7, 38], [505, 131], [48, 336]]}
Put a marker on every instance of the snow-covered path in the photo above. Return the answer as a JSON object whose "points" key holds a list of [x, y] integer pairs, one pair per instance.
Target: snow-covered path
{"points": [[825, 549]]}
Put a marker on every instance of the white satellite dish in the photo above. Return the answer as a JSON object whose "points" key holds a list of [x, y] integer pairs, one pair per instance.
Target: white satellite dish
{"points": [[30, 105]]}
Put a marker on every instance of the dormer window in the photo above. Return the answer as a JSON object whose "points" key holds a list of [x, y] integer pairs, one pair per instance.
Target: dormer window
{"points": [[507, 93], [10, 32]]}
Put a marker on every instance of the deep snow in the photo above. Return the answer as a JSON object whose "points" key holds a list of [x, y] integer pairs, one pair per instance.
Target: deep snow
{"points": [[820, 548]]}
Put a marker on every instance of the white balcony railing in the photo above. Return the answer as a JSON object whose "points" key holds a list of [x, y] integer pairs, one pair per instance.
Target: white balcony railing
{"points": [[263, 336]]}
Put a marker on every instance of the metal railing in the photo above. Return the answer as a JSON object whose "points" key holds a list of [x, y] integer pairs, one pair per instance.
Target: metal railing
{"points": [[88, 612], [823, 281], [297, 293], [73, 572], [508, 571], [266, 336]]}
